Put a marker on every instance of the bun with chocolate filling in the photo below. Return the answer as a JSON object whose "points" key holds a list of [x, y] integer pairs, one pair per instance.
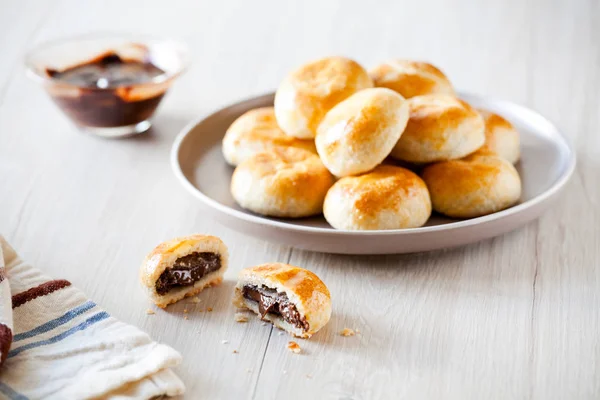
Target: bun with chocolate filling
{"points": [[479, 184], [359, 133], [256, 131], [292, 298], [411, 78], [440, 127], [388, 197], [182, 267], [285, 182], [501, 137], [309, 92]]}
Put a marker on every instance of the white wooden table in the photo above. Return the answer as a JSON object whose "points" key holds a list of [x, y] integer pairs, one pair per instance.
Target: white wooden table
{"points": [[513, 317]]}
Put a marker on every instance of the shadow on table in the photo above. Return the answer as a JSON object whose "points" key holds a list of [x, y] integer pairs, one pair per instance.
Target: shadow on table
{"points": [[163, 130]]}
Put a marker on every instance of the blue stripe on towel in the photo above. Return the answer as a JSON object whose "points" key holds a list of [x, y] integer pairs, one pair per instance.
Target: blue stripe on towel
{"points": [[82, 326], [55, 322], [10, 392]]}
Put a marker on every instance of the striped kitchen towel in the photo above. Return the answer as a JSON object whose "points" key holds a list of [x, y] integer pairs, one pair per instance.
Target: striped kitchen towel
{"points": [[57, 344]]}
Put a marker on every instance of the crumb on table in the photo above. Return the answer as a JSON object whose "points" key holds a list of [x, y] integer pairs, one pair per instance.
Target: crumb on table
{"points": [[347, 332], [239, 317], [150, 311], [294, 347]]}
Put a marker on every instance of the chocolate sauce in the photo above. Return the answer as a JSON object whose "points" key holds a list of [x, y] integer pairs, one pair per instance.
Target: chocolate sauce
{"points": [[103, 85], [187, 270], [272, 302]]}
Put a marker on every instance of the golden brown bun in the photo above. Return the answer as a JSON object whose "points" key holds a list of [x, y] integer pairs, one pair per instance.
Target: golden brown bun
{"points": [[305, 95], [358, 134], [440, 127], [165, 254], [256, 131], [286, 182], [479, 184], [411, 78], [501, 137], [386, 198], [302, 287]]}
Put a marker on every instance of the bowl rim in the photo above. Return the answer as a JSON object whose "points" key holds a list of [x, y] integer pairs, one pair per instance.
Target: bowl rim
{"points": [[264, 221], [180, 47]]}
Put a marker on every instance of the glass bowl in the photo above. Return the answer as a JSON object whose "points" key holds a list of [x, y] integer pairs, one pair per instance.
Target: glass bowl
{"points": [[108, 84]]}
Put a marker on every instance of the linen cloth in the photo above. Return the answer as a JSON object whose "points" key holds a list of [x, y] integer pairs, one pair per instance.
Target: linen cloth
{"points": [[55, 343]]}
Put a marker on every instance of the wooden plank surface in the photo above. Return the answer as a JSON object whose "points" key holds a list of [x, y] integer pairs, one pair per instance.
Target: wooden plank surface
{"points": [[512, 317]]}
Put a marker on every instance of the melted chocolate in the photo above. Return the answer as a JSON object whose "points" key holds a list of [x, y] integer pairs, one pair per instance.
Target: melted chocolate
{"points": [[102, 82], [187, 270], [108, 71], [272, 302]]}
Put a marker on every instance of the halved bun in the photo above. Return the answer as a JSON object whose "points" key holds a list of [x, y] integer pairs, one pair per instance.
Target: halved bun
{"points": [[301, 287], [176, 253]]}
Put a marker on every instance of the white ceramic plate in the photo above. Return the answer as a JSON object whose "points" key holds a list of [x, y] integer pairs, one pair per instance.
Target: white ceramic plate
{"points": [[547, 163]]}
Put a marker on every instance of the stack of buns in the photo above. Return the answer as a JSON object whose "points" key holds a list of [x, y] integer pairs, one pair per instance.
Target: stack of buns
{"points": [[348, 143]]}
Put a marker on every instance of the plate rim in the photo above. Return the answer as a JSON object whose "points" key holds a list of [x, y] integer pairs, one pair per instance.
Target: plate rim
{"points": [[254, 219]]}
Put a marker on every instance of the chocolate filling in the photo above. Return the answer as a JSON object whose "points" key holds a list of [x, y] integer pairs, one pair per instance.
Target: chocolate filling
{"points": [[187, 270], [272, 302]]}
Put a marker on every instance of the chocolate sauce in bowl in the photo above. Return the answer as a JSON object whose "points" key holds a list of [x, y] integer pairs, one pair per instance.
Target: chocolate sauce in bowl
{"points": [[105, 85], [108, 71]]}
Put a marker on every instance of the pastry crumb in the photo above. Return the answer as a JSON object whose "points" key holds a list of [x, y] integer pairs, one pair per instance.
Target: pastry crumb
{"points": [[294, 347], [239, 317], [235, 352], [185, 311], [186, 317], [209, 309], [150, 311], [224, 341], [347, 332], [356, 330], [195, 300]]}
